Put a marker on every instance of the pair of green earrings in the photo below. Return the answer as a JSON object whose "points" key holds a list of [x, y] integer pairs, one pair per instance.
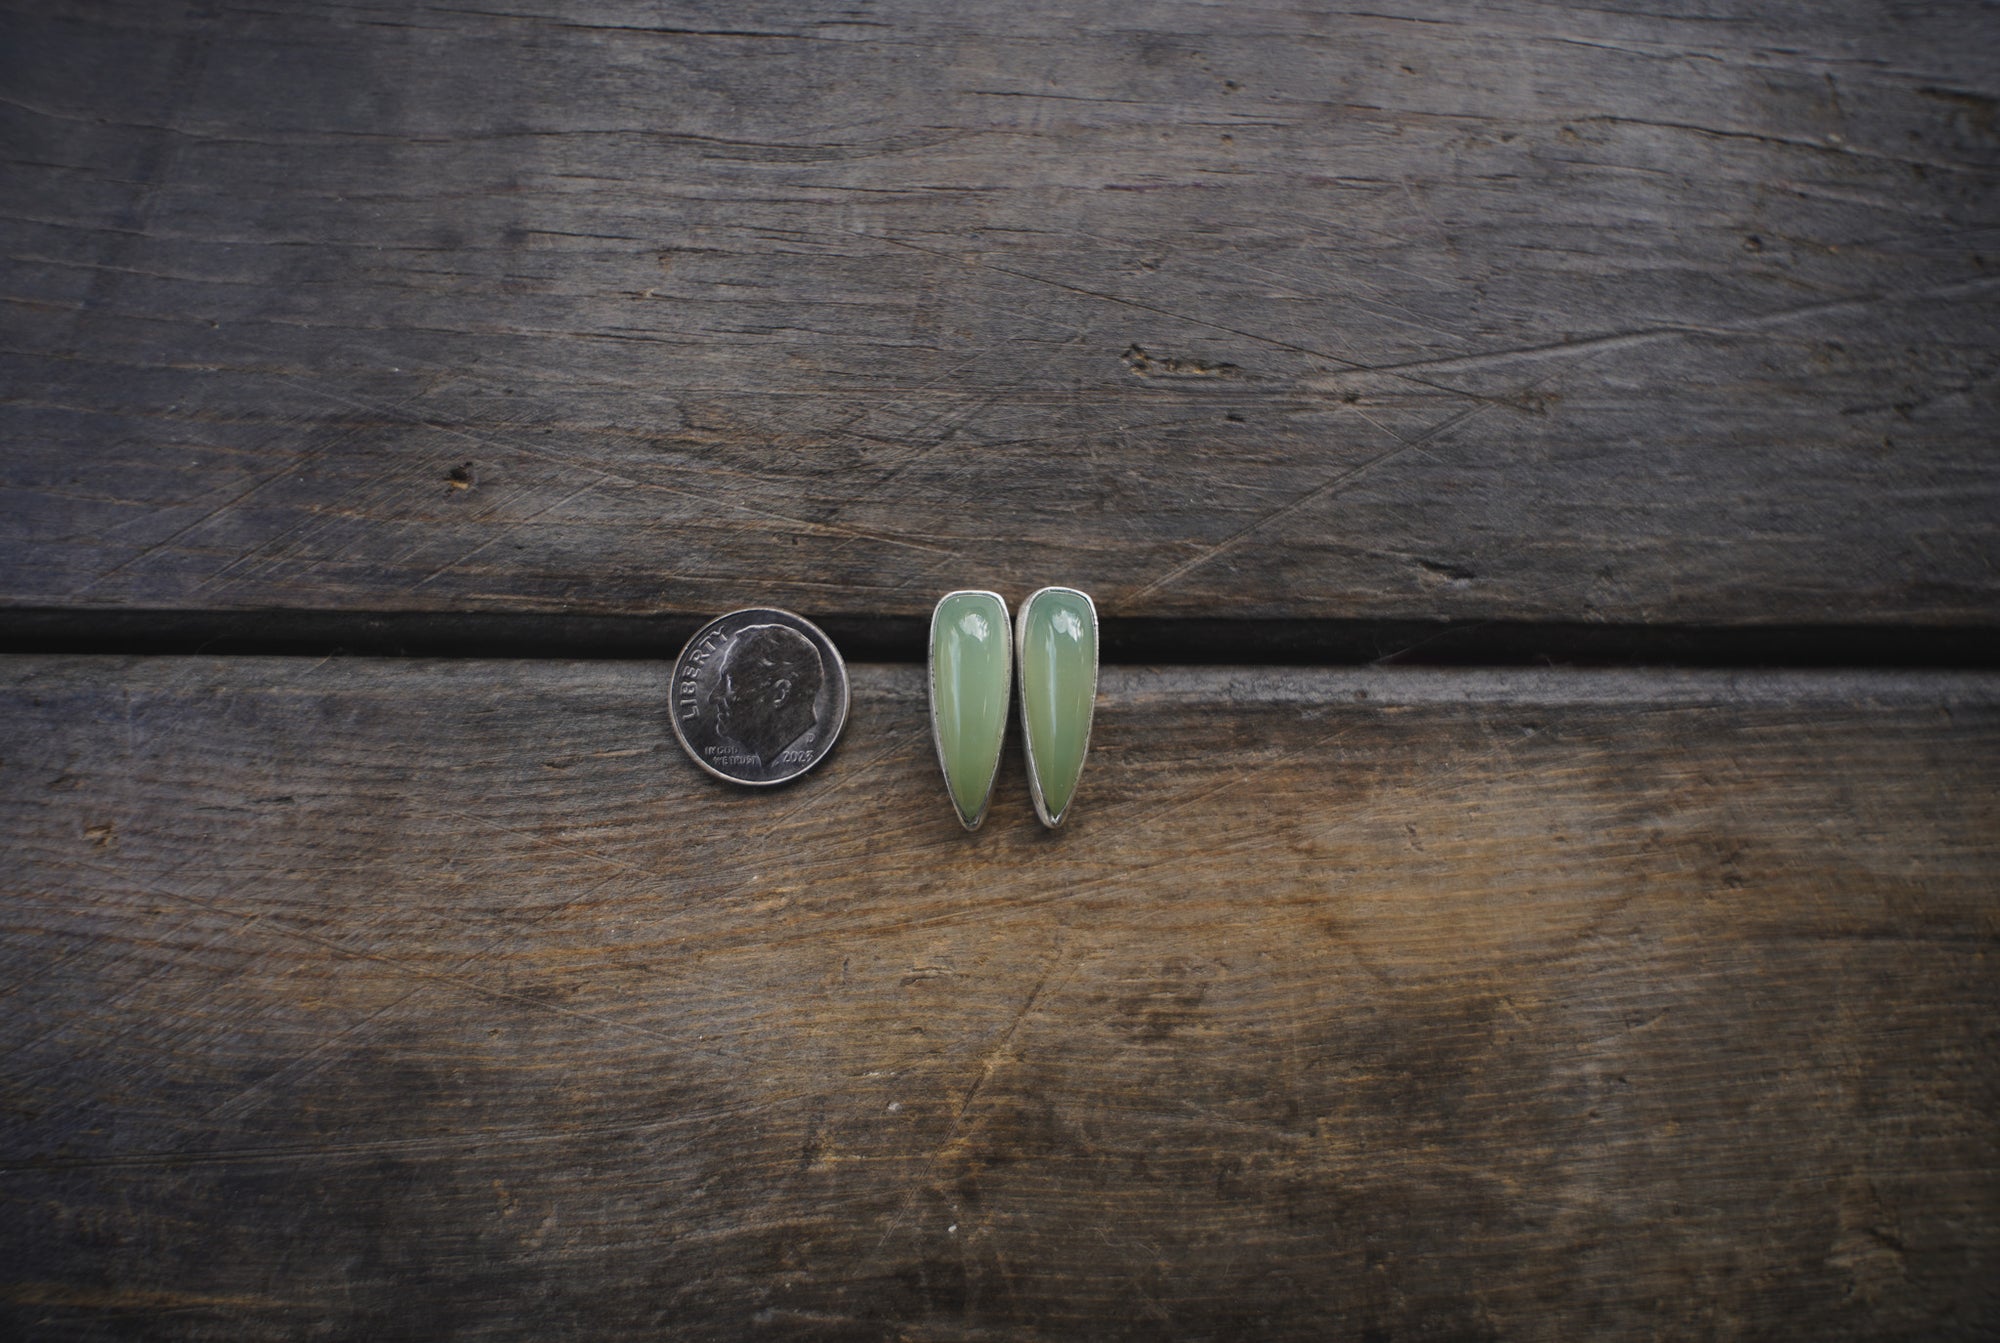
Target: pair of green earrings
{"points": [[975, 656]]}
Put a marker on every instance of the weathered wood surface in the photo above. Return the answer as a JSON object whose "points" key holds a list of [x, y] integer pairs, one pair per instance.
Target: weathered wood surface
{"points": [[1522, 311], [378, 999]]}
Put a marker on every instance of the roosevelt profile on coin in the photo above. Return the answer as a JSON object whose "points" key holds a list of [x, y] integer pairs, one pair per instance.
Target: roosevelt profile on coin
{"points": [[767, 685], [758, 696]]}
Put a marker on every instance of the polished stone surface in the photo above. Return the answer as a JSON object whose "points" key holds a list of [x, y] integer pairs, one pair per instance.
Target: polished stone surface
{"points": [[1058, 675], [971, 667]]}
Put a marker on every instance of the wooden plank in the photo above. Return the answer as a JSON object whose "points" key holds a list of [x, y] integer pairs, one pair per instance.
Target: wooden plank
{"points": [[380, 999], [1515, 312]]}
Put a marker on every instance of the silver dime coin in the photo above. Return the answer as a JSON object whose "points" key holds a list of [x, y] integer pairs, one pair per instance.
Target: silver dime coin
{"points": [[759, 696]]}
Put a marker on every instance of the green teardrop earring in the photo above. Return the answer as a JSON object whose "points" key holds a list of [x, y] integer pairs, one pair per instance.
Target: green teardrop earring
{"points": [[971, 678], [1055, 650]]}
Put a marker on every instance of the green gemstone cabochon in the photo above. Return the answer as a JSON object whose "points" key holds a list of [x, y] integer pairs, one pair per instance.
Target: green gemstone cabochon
{"points": [[969, 686], [1058, 652]]}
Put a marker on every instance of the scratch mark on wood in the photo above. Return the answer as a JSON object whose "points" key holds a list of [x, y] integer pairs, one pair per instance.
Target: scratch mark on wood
{"points": [[1325, 489], [1617, 340], [404, 967]]}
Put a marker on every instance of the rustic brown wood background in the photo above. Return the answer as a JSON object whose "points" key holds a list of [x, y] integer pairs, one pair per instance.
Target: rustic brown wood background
{"points": [[347, 997]]}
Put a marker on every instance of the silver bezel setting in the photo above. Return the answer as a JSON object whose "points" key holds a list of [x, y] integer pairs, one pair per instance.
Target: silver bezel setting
{"points": [[1007, 678], [1021, 694]]}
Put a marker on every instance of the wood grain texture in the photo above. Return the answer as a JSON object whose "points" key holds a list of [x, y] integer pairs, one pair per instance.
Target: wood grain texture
{"points": [[1520, 311], [402, 999]]}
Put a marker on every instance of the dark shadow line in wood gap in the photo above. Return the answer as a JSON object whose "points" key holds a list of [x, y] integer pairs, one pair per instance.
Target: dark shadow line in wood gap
{"points": [[1129, 640]]}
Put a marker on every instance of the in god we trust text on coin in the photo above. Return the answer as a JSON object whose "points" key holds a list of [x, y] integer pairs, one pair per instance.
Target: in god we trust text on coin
{"points": [[759, 696]]}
